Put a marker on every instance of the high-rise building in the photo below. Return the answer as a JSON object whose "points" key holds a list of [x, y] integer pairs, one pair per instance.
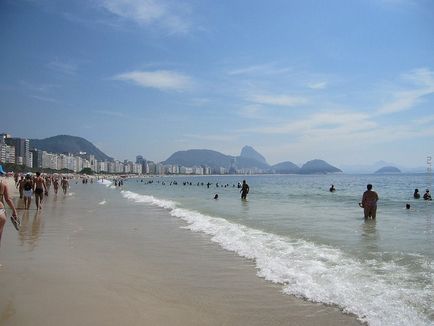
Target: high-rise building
{"points": [[22, 150], [36, 158]]}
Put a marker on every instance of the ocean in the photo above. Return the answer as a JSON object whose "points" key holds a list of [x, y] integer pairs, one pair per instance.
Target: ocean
{"points": [[314, 243]]}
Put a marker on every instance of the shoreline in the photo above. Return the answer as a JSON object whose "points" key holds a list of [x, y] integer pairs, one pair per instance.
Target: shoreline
{"points": [[79, 261]]}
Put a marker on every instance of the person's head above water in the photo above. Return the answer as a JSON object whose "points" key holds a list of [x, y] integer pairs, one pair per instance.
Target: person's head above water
{"points": [[216, 196], [407, 206], [416, 190], [369, 186]]}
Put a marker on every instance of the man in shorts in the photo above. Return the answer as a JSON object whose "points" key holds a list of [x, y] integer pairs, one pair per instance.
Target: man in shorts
{"points": [[39, 189], [65, 185]]}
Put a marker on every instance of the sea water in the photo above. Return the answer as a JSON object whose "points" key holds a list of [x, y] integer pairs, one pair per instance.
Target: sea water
{"points": [[315, 243]]}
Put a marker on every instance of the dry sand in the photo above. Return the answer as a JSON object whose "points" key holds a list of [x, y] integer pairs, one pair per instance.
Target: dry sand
{"points": [[78, 262]]}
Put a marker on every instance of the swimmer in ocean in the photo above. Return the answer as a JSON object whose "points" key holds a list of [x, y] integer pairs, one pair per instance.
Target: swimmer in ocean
{"points": [[244, 190], [369, 202]]}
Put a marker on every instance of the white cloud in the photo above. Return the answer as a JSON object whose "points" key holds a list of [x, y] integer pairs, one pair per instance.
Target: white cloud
{"points": [[422, 85], [150, 12], [111, 113], [317, 85], [160, 79], [264, 69], [63, 67], [279, 100], [44, 98], [322, 124]]}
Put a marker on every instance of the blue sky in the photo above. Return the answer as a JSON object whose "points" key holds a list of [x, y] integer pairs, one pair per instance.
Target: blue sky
{"points": [[351, 82]]}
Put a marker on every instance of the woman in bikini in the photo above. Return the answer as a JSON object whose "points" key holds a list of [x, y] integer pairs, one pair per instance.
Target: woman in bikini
{"points": [[4, 197]]}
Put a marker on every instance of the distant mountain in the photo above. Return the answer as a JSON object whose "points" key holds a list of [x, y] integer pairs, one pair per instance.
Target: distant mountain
{"points": [[251, 153], [388, 169], [286, 168], [213, 159], [195, 157], [318, 167], [68, 144]]}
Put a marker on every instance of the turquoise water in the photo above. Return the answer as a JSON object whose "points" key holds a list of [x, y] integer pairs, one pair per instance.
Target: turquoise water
{"points": [[316, 243]]}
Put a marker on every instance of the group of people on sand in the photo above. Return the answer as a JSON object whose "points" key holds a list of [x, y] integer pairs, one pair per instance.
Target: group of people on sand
{"points": [[27, 185], [38, 186]]}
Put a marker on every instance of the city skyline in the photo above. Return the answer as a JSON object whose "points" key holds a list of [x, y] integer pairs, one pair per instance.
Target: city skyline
{"points": [[349, 83]]}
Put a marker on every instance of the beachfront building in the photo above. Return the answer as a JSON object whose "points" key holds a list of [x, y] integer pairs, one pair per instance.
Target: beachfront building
{"points": [[78, 163], [102, 166], [185, 170], [152, 167], [206, 170], [137, 168], [66, 161], [197, 170], [22, 150], [36, 158], [7, 153]]}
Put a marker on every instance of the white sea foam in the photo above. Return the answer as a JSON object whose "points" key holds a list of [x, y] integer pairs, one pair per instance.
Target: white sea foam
{"points": [[104, 182], [379, 293], [103, 202]]}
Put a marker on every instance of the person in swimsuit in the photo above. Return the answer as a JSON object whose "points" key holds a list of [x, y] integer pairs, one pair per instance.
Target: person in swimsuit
{"points": [[427, 195], [244, 190], [20, 186], [416, 194], [48, 183], [369, 202], [27, 191], [55, 184], [4, 197], [39, 189], [65, 185]]}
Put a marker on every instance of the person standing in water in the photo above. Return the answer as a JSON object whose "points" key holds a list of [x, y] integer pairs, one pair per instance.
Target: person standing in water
{"points": [[369, 202], [244, 190]]}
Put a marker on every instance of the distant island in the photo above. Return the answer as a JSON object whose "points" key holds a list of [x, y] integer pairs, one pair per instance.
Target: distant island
{"points": [[249, 161], [388, 169]]}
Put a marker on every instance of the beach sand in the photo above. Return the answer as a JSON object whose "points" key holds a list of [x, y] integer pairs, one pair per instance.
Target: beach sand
{"points": [[93, 258]]}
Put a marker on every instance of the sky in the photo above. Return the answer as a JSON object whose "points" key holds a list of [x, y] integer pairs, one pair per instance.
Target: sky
{"points": [[348, 81]]}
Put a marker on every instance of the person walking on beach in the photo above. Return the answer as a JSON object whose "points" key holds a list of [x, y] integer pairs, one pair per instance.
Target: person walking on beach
{"points": [[244, 190], [27, 191], [65, 185], [55, 184], [369, 202], [20, 186], [4, 197], [39, 188]]}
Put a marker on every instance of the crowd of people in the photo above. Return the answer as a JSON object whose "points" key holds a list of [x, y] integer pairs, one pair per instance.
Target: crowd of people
{"points": [[28, 186], [38, 186]]}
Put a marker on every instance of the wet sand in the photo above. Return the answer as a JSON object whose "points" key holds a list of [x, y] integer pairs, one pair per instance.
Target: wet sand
{"points": [[81, 261]]}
